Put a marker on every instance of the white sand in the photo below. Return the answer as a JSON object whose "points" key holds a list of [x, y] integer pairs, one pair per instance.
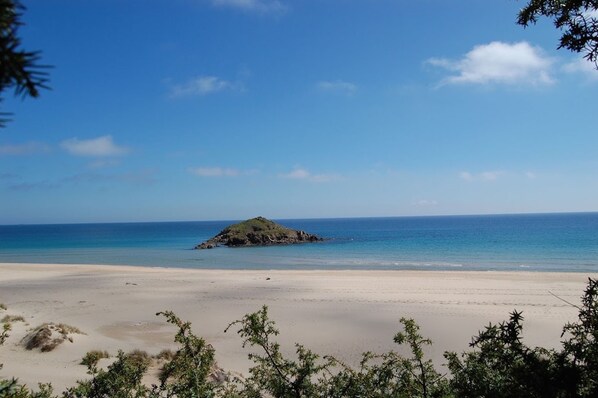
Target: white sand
{"points": [[342, 313]]}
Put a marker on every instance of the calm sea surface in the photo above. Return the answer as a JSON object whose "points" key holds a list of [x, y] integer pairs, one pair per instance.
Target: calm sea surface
{"points": [[535, 242]]}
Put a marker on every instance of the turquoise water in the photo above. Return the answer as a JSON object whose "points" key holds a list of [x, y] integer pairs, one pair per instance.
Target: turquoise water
{"points": [[534, 242]]}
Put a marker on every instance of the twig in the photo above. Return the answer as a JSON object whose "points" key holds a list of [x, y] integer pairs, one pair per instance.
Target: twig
{"points": [[562, 299]]}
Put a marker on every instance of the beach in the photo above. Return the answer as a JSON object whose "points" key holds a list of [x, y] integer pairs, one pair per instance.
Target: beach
{"points": [[340, 313]]}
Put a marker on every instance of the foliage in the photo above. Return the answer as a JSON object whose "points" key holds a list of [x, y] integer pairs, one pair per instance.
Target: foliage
{"points": [[19, 69], [122, 379], [392, 375], [577, 19], [310, 375], [11, 389], [502, 366], [187, 373], [579, 358], [499, 365], [92, 358], [273, 374]]}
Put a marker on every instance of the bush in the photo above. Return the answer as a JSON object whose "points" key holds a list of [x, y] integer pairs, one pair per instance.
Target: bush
{"points": [[93, 357], [142, 358]]}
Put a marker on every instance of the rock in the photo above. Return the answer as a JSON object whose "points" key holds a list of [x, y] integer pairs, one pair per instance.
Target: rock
{"points": [[257, 231], [206, 245]]}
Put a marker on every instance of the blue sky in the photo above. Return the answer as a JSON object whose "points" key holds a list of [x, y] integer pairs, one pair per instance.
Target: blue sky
{"points": [[228, 109]]}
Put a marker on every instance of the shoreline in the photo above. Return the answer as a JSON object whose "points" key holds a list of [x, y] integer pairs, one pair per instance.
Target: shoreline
{"points": [[337, 312], [431, 269]]}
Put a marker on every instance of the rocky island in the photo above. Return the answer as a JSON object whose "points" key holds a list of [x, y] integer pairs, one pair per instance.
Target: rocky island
{"points": [[257, 231]]}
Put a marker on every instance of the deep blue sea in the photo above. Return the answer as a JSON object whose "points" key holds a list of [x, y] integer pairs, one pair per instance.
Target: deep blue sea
{"points": [[532, 242]]}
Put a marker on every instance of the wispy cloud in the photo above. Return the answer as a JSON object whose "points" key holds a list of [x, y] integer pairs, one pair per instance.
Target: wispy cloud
{"points": [[219, 172], [8, 176], [482, 176], [425, 203], [28, 148], [531, 175], [104, 163], [583, 66], [260, 6], [500, 63], [337, 86], [102, 146], [30, 186], [204, 85], [139, 177], [299, 173]]}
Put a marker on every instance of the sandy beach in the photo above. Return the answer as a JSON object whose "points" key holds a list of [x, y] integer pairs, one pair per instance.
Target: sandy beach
{"points": [[341, 313]]}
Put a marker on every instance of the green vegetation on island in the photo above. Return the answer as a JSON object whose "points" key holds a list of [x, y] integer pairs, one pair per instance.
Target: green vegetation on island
{"points": [[257, 231]]}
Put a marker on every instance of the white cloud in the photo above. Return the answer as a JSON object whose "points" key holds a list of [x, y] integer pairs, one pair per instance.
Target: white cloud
{"points": [[530, 174], [498, 62], [28, 148], [583, 66], [297, 174], [262, 6], [214, 172], [303, 174], [95, 147], [337, 86], [483, 176], [203, 85]]}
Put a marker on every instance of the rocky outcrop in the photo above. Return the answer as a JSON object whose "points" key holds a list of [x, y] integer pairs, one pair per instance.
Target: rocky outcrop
{"points": [[257, 231]]}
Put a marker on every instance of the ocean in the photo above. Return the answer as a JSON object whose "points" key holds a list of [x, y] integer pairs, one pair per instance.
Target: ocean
{"points": [[529, 242]]}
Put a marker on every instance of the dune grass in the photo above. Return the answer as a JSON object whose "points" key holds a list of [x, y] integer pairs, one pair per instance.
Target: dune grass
{"points": [[48, 336], [12, 318]]}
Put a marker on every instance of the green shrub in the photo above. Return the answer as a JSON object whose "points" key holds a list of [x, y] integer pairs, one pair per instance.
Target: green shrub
{"points": [[502, 366], [140, 357], [92, 358], [187, 373], [122, 379]]}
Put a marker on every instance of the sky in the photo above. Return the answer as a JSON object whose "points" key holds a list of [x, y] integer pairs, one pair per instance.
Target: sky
{"points": [[170, 110]]}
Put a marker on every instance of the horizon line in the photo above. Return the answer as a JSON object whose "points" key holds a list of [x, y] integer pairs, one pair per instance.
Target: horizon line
{"points": [[309, 218]]}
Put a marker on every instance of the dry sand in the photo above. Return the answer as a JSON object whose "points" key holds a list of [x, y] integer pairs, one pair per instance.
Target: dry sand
{"points": [[342, 313]]}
